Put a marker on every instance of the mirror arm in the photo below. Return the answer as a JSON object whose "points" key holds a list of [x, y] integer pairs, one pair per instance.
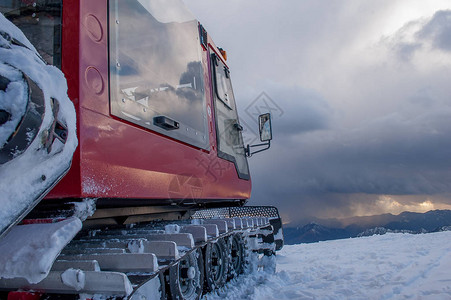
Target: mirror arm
{"points": [[248, 148]]}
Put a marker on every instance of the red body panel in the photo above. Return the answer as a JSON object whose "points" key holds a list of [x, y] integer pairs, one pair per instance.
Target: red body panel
{"points": [[117, 159]]}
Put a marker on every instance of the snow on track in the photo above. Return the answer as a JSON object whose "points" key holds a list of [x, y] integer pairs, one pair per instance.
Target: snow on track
{"points": [[34, 258], [391, 266]]}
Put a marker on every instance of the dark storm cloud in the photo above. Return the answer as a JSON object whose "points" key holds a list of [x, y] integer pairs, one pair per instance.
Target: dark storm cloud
{"points": [[386, 156], [304, 111], [407, 152], [318, 174], [294, 110], [328, 168], [315, 170]]}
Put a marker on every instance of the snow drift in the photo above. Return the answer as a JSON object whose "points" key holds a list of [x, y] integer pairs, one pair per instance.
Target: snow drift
{"points": [[390, 266]]}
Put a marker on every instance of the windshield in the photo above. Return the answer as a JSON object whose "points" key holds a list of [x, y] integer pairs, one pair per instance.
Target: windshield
{"points": [[40, 21]]}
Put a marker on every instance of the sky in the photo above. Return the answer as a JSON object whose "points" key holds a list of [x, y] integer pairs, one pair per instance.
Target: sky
{"points": [[360, 96]]}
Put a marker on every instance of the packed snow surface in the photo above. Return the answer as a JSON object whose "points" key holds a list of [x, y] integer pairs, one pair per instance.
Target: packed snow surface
{"points": [[391, 266]]}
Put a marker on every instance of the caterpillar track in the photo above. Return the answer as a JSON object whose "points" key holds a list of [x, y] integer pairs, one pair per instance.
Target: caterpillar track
{"points": [[161, 260]]}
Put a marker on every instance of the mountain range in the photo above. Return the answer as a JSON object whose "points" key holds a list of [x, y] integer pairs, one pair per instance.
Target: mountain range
{"points": [[332, 229]]}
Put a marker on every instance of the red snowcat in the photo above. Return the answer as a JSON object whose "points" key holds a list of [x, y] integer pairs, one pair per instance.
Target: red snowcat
{"points": [[151, 204]]}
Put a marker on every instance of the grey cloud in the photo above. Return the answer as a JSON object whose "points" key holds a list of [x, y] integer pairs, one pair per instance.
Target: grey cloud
{"points": [[299, 110], [386, 156], [304, 111], [317, 164], [438, 30], [417, 35], [407, 50], [359, 121]]}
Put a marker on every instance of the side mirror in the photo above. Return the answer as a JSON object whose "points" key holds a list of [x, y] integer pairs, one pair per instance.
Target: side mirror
{"points": [[264, 125], [265, 129]]}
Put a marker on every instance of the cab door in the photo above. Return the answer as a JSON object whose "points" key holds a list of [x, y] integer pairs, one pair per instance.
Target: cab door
{"points": [[228, 129]]}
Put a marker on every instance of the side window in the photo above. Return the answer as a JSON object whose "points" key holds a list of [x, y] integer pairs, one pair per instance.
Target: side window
{"points": [[156, 73], [228, 128], [222, 87]]}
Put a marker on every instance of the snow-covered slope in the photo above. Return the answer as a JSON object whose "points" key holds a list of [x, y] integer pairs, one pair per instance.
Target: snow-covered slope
{"points": [[391, 266]]}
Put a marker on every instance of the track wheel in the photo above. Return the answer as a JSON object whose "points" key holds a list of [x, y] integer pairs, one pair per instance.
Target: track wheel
{"points": [[186, 277], [216, 264], [237, 255]]}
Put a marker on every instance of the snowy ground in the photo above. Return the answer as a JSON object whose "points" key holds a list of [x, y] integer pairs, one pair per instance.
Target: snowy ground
{"points": [[391, 266]]}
